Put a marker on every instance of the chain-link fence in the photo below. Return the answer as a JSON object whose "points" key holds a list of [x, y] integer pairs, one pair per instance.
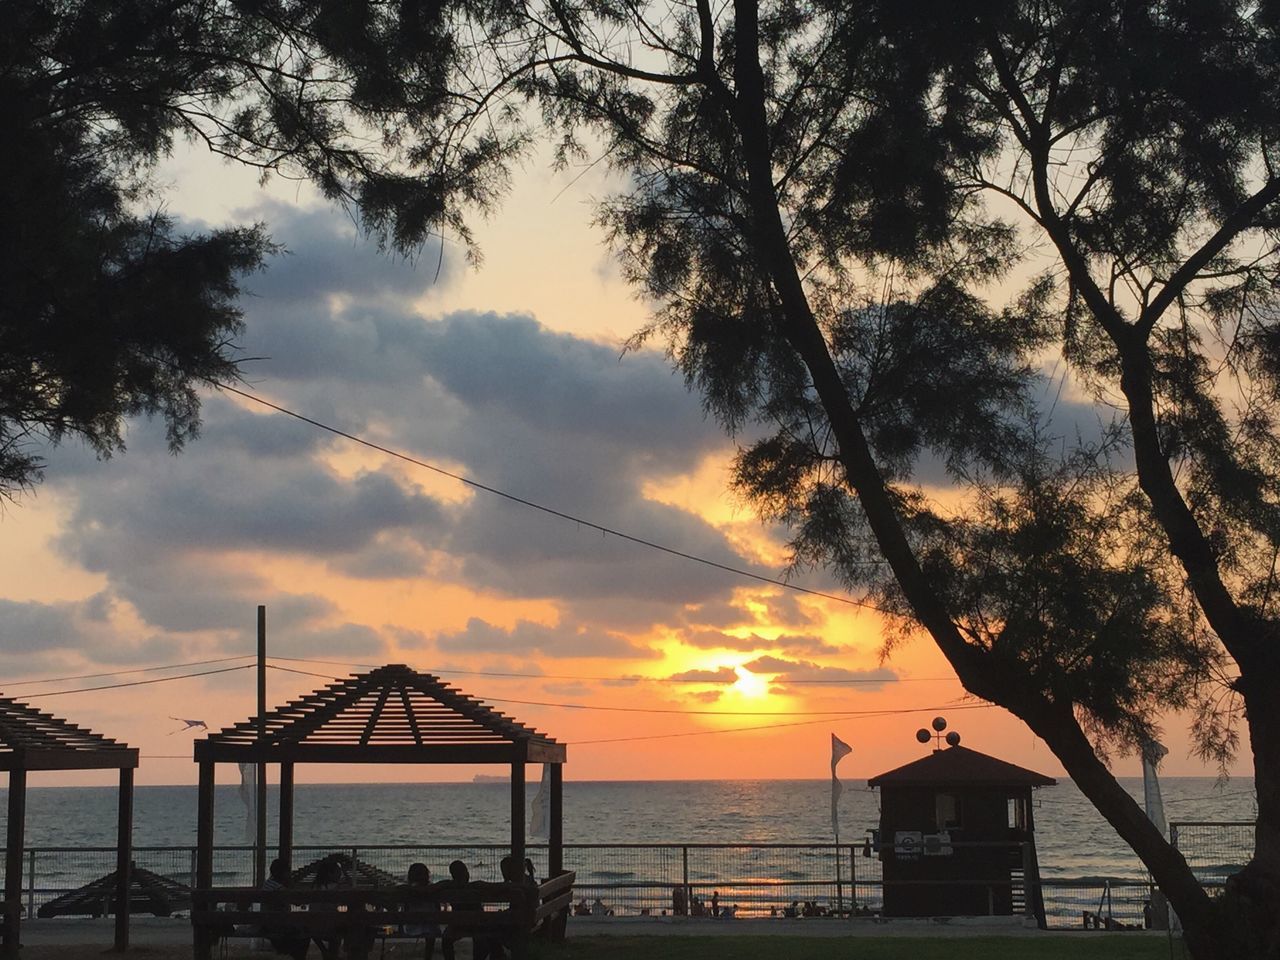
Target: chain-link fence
{"points": [[1215, 850], [742, 880]]}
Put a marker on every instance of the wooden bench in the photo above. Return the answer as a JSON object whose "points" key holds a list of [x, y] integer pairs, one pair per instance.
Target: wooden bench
{"points": [[362, 916]]}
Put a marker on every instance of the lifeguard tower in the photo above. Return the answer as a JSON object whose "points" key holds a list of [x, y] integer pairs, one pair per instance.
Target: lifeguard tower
{"points": [[957, 834]]}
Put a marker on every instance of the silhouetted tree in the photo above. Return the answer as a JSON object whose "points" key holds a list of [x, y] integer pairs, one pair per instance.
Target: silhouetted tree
{"points": [[107, 309], [803, 199], [804, 202]]}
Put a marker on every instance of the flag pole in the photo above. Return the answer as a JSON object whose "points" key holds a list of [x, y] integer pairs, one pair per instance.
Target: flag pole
{"points": [[839, 750], [839, 882]]}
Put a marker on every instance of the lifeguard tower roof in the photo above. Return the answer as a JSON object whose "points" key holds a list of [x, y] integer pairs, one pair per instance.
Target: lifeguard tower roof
{"points": [[960, 766]]}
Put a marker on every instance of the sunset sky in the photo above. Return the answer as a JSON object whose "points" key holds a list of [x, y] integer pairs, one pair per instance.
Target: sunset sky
{"points": [[512, 374]]}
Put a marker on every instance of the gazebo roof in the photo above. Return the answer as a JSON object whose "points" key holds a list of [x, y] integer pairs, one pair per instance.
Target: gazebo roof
{"points": [[389, 715], [32, 740], [961, 767]]}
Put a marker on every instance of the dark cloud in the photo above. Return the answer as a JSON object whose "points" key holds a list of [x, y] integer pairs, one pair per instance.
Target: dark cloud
{"points": [[527, 637], [345, 640], [788, 643], [789, 671], [27, 627], [720, 675], [548, 416]]}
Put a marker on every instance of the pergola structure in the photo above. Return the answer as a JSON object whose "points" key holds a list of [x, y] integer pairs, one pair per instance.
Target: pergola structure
{"points": [[389, 715], [31, 740]]}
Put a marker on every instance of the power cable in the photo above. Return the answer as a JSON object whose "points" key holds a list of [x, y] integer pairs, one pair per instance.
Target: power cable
{"points": [[830, 714], [604, 679], [138, 683], [120, 673], [550, 511], [766, 726]]}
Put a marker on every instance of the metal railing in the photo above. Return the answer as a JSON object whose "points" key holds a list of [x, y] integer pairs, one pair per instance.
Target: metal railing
{"points": [[628, 879], [1214, 849]]}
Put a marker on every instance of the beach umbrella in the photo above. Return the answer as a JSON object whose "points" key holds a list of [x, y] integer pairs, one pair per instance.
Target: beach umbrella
{"points": [[148, 893], [362, 874]]}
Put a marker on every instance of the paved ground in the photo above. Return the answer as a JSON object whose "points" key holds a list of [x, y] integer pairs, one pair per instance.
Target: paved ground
{"points": [[153, 931]]}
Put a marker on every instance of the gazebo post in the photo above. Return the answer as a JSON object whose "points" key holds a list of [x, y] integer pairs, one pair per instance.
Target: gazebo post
{"points": [[519, 756], [124, 857], [204, 827], [286, 815], [202, 948], [14, 840], [555, 838]]}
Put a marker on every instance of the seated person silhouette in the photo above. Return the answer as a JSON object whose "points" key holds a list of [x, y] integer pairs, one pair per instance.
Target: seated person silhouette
{"points": [[419, 897], [288, 940]]}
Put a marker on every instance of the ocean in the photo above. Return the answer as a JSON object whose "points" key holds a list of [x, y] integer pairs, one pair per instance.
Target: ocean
{"points": [[1073, 841]]}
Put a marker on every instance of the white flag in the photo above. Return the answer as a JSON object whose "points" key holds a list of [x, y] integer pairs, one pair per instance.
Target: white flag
{"points": [[538, 809], [839, 750], [1152, 753], [249, 796]]}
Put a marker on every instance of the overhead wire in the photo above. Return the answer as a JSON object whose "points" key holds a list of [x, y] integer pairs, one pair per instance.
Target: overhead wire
{"points": [[121, 673], [138, 683], [764, 726], [534, 505], [632, 678], [829, 714]]}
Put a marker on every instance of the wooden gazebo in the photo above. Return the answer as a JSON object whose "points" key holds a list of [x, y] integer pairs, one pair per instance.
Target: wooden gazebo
{"points": [[391, 715], [31, 740]]}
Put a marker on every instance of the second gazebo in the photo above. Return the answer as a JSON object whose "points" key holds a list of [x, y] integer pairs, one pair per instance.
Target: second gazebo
{"points": [[391, 715]]}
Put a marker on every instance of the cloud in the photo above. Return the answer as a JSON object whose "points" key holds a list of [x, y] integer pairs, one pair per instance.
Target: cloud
{"points": [[346, 640], [27, 627], [790, 643], [187, 542], [530, 638], [719, 675], [789, 671]]}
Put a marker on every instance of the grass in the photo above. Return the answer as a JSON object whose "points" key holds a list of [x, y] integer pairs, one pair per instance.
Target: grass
{"points": [[1066, 947]]}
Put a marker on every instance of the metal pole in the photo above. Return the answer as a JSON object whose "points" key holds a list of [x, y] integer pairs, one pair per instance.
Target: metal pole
{"points": [[853, 880], [839, 884], [260, 840], [688, 891], [31, 883]]}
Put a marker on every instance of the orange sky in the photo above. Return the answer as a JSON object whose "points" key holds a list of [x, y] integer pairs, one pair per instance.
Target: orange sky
{"points": [[511, 374]]}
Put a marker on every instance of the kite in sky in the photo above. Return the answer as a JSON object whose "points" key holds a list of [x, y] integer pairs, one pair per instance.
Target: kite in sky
{"points": [[188, 725]]}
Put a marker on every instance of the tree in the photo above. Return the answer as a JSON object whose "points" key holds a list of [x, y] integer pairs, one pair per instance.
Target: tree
{"points": [[805, 205], [1139, 144], [804, 201], [108, 308]]}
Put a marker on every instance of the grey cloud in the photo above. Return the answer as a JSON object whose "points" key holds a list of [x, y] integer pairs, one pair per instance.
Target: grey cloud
{"points": [[327, 257], [720, 675], [526, 637], [385, 558], [346, 640], [27, 627], [786, 671]]}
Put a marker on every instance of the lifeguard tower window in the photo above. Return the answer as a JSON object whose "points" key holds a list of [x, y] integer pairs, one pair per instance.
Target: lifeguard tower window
{"points": [[949, 811], [1018, 813]]}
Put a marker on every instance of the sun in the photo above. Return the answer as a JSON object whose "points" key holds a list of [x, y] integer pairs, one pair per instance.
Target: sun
{"points": [[749, 684]]}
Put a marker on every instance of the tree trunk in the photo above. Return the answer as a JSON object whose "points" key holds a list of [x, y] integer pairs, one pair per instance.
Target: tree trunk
{"points": [[1206, 935], [1250, 905]]}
